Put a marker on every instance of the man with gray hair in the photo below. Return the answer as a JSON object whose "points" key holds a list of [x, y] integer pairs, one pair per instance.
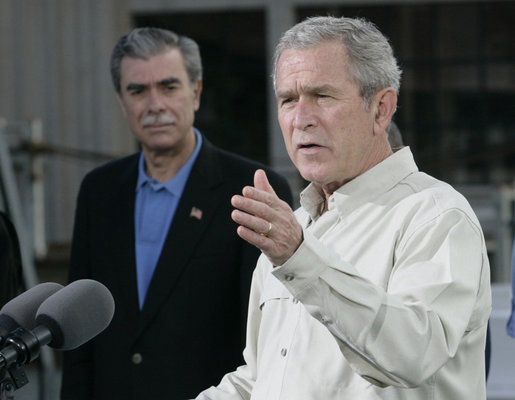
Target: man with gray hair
{"points": [[378, 286], [155, 228]]}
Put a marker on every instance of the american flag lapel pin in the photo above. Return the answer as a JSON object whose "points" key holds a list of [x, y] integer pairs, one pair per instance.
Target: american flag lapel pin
{"points": [[196, 213]]}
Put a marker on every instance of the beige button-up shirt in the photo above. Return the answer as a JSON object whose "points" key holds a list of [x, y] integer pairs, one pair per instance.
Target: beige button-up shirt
{"points": [[388, 297]]}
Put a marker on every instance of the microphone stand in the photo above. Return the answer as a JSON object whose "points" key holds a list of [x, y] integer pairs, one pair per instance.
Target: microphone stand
{"points": [[23, 347], [12, 379]]}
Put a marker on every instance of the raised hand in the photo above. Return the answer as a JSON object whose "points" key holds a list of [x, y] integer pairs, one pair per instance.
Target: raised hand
{"points": [[266, 221]]}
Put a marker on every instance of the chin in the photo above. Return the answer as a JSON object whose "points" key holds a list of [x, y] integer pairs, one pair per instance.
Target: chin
{"points": [[314, 173], [160, 147], [314, 178]]}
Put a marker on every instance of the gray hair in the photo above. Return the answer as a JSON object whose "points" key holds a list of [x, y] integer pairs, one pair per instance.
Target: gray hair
{"points": [[146, 42], [372, 64]]}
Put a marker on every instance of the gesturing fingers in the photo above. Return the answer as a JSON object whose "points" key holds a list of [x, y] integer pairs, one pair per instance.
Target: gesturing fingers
{"points": [[266, 221], [259, 201], [252, 214], [261, 182]]}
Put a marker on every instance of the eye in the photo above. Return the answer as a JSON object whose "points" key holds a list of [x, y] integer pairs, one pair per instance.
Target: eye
{"points": [[135, 91], [287, 101]]}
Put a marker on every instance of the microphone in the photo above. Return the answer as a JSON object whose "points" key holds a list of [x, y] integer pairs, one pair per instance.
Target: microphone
{"points": [[21, 311], [65, 320], [77, 313]]}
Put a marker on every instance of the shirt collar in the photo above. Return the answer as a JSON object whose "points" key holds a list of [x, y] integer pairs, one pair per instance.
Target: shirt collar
{"points": [[177, 183], [369, 185]]}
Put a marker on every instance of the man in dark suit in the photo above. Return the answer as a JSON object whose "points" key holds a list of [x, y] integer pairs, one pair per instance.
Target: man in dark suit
{"points": [[155, 228]]}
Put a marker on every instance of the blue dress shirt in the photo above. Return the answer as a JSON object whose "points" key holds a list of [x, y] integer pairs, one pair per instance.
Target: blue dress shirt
{"points": [[156, 204]]}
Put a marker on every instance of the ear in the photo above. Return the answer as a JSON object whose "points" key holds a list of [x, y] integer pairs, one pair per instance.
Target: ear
{"points": [[385, 104], [197, 90], [122, 105]]}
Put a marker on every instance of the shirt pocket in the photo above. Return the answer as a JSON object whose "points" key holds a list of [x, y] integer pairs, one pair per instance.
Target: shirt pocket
{"points": [[273, 291]]}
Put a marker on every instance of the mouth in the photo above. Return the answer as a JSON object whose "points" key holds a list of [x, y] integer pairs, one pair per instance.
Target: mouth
{"points": [[156, 125], [308, 146]]}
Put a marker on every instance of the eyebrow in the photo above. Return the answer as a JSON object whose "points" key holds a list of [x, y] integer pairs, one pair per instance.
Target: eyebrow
{"points": [[169, 81], [285, 94], [308, 89], [163, 82]]}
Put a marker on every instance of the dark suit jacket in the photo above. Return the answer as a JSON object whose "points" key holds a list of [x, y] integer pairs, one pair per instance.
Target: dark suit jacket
{"points": [[192, 327], [10, 261]]}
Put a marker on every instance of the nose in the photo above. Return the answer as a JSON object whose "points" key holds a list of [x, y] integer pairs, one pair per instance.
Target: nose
{"points": [[155, 102], [305, 116]]}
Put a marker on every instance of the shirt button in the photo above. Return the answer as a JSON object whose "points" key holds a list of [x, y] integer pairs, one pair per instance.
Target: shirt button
{"points": [[289, 277], [283, 352], [295, 300], [137, 358]]}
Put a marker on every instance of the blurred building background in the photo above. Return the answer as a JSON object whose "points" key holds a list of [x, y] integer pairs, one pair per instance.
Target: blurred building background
{"points": [[59, 117]]}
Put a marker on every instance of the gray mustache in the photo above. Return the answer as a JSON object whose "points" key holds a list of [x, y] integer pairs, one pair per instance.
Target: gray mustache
{"points": [[158, 119]]}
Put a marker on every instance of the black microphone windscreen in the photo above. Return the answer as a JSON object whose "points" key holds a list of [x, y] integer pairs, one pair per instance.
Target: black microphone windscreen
{"points": [[77, 313], [21, 311]]}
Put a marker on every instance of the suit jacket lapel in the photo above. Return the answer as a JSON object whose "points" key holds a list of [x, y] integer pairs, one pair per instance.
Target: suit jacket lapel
{"points": [[123, 239], [185, 230]]}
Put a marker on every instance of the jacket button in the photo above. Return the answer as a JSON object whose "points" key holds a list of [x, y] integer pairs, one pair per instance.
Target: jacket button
{"points": [[137, 358], [283, 352]]}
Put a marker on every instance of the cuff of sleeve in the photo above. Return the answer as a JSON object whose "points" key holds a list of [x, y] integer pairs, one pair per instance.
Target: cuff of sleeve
{"points": [[304, 267]]}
